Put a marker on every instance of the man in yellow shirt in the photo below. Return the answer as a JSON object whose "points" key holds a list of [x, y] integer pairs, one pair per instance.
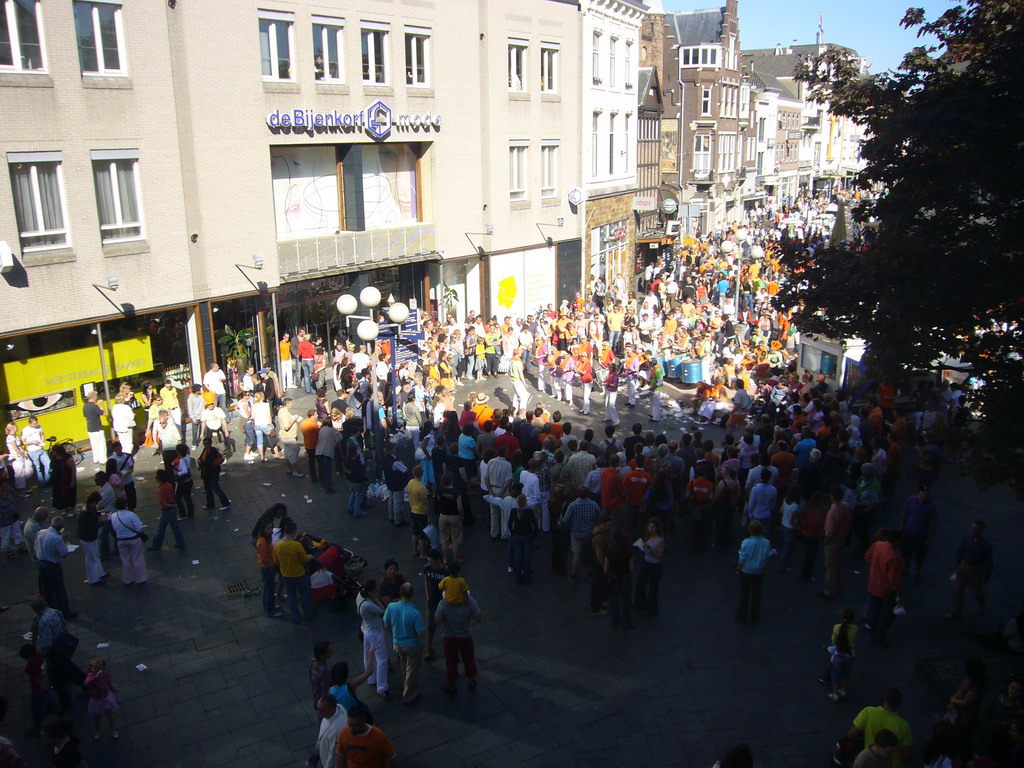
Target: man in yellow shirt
{"points": [[871, 720], [291, 558], [417, 492], [615, 318], [169, 394], [287, 377]]}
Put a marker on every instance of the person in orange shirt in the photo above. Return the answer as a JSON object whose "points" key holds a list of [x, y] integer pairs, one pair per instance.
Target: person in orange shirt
{"points": [[607, 355], [483, 411], [309, 427], [784, 461], [586, 371], [637, 483]]}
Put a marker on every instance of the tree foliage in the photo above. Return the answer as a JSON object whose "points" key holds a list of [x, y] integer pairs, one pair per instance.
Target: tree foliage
{"points": [[943, 273]]}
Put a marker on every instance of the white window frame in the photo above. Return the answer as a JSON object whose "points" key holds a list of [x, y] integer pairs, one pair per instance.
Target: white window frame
{"points": [[549, 67], [101, 68], [595, 144], [625, 141], [33, 159], [702, 149], [549, 169], [611, 144], [596, 58], [629, 64], [613, 44], [518, 51], [273, 18], [706, 100], [112, 157], [16, 64], [518, 170], [330, 27], [368, 36], [422, 36]]}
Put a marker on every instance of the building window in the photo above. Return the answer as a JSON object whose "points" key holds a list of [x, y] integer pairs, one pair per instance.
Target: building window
{"points": [[817, 154], [517, 50], [613, 45], [21, 47], [328, 49], [625, 142], [37, 182], [611, 144], [629, 64], [595, 64], [374, 48], [760, 128], [355, 187], [276, 44], [549, 67], [116, 174], [517, 172], [705, 100], [549, 170], [417, 56], [595, 140], [702, 153], [100, 38]]}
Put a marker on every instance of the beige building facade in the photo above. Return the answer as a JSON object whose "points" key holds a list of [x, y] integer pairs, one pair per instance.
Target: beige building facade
{"points": [[206, 168]]}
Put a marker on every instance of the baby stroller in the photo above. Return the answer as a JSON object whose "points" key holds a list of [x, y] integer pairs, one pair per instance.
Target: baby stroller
{"points": [[333, 577]]}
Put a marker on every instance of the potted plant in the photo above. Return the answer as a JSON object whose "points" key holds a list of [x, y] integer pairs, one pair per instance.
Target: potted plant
{"points": [[237, 343]]}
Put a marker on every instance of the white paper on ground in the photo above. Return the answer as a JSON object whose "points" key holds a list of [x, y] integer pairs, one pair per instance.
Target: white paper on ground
{"points": [[102, 645], [195, 562], [141, 667]]}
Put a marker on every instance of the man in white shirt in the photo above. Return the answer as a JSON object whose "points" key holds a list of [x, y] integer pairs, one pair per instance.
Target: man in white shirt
{"points": [[214, 382], [33, 439], [168, 437], [333, 723], [122, 419]]}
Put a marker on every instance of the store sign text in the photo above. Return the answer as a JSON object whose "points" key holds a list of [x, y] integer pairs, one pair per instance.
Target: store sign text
{"points": [[377, 120]]}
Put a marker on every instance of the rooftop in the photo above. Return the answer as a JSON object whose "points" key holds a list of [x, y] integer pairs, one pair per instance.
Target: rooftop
{"points": [[696, 27]]}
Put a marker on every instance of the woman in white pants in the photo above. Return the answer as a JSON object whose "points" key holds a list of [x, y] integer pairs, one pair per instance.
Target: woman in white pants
{"points": [[568, 373], [371, 613], [516, 371], [611, 392]]}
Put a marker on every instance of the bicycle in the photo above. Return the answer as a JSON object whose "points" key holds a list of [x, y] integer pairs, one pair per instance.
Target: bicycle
{"points": [[70, 447]]}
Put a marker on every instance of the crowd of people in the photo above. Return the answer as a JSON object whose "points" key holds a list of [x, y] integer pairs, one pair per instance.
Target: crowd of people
{"points": [[799, 473]]}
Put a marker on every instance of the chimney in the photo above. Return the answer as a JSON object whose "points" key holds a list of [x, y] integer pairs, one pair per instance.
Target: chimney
{"points": [[778, 49], [789, 48]]}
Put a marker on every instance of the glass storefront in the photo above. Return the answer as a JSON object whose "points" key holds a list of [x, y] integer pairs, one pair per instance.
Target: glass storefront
{"points": [[310, 304], [49, 373]]}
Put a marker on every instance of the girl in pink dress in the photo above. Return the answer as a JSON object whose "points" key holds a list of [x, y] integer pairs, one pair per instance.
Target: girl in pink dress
{"points": [[101, 696]]}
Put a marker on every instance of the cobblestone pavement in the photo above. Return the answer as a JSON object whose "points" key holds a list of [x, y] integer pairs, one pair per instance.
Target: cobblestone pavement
{"points": [[226, 686]]}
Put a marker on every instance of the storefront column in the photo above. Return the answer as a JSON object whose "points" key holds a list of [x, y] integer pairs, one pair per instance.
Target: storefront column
{"points": [[277, 333], [195, 358], [103, 371]]}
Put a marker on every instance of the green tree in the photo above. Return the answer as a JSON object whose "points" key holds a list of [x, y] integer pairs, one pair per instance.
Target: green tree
{"points": [[942, 273]]}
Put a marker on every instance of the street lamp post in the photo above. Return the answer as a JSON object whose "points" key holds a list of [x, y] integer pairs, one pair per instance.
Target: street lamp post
{"points": [[368, 331]]}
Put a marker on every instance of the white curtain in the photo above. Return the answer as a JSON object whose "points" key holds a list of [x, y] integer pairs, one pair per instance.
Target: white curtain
{"points": [[105, 194], [25, 210]]}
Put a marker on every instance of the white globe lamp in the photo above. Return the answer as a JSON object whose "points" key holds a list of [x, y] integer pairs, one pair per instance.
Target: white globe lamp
{"points": [[367, 330], [756, 251], [742, 235], [398, 312], [728, 246], [369, 297], [347, 304]]}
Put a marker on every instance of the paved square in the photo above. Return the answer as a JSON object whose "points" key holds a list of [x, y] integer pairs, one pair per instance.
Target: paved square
{"points": [[226, 686]]}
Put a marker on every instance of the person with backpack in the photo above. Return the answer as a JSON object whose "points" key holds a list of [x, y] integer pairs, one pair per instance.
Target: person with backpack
{"points": [[210, 462]]}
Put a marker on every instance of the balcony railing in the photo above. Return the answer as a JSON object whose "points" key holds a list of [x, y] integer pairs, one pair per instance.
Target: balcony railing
{"points": [[703, 175], [325, 254]]}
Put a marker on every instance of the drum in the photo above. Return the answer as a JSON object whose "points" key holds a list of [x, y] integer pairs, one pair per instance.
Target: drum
{"points": [[692, 371]]}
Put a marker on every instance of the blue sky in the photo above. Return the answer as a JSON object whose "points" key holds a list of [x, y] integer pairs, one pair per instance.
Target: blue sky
{"points": [[869, 26]]}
